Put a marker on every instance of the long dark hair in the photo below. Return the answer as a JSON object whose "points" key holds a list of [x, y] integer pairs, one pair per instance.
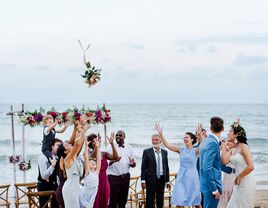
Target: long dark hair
{"points": [[192, 137], [61, 151], [240, 132], [90, 139]]}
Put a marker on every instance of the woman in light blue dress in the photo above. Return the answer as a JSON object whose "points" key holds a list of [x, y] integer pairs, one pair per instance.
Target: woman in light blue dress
{"points": [[73, 168], [186, 191]]}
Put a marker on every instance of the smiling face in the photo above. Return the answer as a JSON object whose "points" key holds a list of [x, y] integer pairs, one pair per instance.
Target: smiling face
{"points": [[188, 141], [48, 120], [231, 135], [120, 137], [156, 140]]}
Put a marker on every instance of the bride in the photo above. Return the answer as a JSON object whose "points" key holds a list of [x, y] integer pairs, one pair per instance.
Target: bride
{"points": [[245, 186]]}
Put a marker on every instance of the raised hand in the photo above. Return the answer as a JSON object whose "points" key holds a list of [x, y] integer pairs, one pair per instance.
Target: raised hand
{"points": [[158, 128], [66, 124], [111, 139], [79, 128], [86, 127], [97, 142], [199, 129]]}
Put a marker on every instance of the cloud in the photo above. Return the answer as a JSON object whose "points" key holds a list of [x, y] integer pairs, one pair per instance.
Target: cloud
{"points": [[211, 49], [7, 66], [136, 46], [257, 38], [244, 59]]}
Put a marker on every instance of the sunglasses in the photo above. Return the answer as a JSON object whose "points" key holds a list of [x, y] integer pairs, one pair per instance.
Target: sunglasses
{"points": [[119, 135]]}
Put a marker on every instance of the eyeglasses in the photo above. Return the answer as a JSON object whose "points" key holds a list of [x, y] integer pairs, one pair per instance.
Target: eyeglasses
{"points": [[119, 135]]}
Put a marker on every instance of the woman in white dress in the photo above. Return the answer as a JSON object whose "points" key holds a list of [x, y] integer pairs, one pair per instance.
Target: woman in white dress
{"points": [[91, 181], [243, 195]]}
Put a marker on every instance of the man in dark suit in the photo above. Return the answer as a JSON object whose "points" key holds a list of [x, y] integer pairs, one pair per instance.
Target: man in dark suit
{"points": [[154, 173]]}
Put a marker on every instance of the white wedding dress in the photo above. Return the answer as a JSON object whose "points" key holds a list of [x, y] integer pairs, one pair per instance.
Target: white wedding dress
{"points": [[243, 195]]}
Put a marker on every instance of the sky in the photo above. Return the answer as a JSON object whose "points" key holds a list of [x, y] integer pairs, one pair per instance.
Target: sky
{"points": [[149, 51]]}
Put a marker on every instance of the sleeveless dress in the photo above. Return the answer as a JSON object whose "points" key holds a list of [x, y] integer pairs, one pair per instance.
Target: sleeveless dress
{"points": [[71, 187], [186, 191], [89, 191], [243, 194], [103, 193]]}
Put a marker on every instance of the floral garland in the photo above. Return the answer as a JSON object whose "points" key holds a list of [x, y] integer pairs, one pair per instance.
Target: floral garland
{"points": [[14, 159], [25, 165], [100, 116], [22, 165]]}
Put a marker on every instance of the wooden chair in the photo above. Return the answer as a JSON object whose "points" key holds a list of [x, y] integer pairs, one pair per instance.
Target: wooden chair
{"points": [[141, 199], [21, 193], [168, 193], [33, 198], [32, 188], [132, 193], [4, 196]]}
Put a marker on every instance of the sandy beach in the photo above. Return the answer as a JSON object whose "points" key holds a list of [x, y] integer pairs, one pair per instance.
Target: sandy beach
{"points": [[261, 200]]}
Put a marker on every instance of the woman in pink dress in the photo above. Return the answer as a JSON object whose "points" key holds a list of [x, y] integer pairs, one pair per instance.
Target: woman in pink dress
{"points": [[103, 194]]}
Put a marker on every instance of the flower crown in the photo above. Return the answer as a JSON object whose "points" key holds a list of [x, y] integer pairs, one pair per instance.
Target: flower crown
{"points": [[238, 129]]}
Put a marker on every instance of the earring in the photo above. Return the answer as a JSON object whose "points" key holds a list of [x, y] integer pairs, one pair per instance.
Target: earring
{"points": [[235, 141]]}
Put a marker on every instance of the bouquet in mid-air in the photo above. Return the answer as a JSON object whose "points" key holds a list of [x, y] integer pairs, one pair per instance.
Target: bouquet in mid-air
{"points": [[92, 74]]}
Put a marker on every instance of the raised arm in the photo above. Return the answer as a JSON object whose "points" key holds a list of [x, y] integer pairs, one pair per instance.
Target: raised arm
{"points": [[97, 145], [65, 125], [51, 126], [250, 165], [72, 139], [86, 159], [114, 155], [78, 144], [171, 147]]}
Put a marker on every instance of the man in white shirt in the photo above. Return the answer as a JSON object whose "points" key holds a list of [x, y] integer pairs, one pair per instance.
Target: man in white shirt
{"points": [[118, 172], [47, 173]]}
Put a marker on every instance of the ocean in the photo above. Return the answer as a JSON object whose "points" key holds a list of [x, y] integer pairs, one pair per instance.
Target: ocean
{"points": [[138, 120]]}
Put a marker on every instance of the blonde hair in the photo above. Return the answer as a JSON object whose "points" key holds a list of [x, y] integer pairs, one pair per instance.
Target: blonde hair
{"points": [[47, 117]]}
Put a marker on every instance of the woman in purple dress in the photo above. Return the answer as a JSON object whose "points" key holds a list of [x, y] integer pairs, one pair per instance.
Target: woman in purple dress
{"points": [[62, 179], [103, 194]]}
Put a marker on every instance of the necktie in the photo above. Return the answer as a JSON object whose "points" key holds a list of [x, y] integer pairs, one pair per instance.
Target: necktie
{"points": [[158, 165]]}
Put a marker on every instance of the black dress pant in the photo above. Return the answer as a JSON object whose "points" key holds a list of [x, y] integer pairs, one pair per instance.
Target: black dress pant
{"points": [[42, 186], [119, 186], [155, 193]]}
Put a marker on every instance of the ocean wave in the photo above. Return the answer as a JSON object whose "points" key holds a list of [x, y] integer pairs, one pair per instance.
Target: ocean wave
{"points": [[29, 143]]}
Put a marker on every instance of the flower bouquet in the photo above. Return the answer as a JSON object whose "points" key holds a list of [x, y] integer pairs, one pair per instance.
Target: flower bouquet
{"points": [[63, 117], [92, 74]]}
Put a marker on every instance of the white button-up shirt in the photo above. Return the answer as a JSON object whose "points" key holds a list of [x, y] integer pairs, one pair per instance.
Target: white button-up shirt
{"points": [[161, 163], [123, 165]]}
